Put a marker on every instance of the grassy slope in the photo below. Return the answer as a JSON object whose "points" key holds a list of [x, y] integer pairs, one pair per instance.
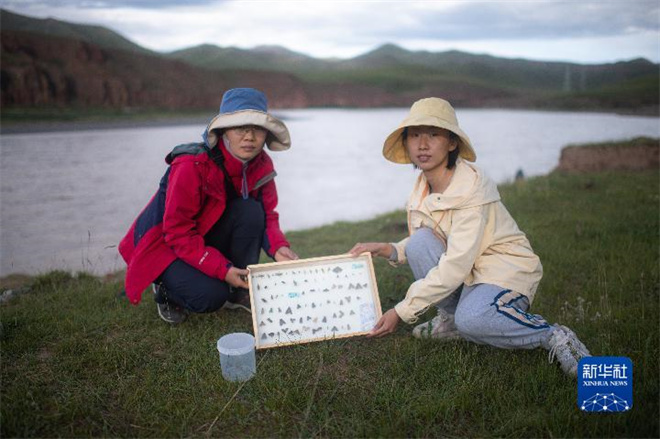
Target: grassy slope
{"points": [[79, 361]]}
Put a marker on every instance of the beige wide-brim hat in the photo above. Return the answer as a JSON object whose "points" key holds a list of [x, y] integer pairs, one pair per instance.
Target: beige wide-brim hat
{"points": [[434, 112], [278, 138]]}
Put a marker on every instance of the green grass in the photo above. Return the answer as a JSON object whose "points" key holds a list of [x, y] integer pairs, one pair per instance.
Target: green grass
{"points": [[79, 361]]}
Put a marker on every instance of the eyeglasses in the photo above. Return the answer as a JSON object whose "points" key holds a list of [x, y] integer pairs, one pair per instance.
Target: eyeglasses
{"points": [[244, 129]]}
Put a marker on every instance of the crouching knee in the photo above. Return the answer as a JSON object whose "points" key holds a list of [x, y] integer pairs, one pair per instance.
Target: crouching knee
{"points": [[210, 304], [469, 323]]}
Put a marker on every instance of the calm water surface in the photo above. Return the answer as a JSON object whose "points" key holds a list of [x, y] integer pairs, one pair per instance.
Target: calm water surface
{"points": [[67, 198]]}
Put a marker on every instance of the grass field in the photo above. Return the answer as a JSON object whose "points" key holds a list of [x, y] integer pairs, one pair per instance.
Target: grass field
{"points": [[78, 360]]}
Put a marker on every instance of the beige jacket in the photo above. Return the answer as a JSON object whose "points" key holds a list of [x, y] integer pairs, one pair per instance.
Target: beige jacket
{"points": [[484, 244]]}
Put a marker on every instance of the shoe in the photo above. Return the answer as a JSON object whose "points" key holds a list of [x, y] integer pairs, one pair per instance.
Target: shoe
{"points": [[564, 345], [440, 327], [239, 298], [169, 312]]}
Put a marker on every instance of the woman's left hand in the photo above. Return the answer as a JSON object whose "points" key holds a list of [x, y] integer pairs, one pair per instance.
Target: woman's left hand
{"points": [[285, 254], [386, 325]]}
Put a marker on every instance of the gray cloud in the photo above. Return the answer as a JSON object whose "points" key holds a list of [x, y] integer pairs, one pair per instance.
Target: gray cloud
{"points": [[595, 30], [101, 4], [520, 20]]}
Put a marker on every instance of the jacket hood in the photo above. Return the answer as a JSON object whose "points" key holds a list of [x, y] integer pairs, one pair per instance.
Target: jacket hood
{"points": [[469, 187]]}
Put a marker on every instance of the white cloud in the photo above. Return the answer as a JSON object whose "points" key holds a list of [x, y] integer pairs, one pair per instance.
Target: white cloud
{"points": [[581, 31]]}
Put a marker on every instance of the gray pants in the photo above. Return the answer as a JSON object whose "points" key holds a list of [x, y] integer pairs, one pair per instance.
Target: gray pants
{"points": [[484, 313]]}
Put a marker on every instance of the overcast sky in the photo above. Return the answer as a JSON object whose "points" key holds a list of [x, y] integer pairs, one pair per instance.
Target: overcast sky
{"points": [[591, 31]]}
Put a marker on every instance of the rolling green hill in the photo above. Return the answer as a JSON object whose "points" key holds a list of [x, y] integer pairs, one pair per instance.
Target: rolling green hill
{"points": [[97, 35], [398, 64], [260, 58]]}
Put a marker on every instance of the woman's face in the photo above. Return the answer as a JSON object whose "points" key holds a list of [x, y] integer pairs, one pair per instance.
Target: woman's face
{"points": [[246, 141], [429, 147]]}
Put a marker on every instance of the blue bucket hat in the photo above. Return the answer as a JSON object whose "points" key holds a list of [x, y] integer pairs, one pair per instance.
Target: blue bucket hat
{"points": [[247, 106]]}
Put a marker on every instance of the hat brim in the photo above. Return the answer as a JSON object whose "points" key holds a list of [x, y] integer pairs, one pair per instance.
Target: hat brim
{"points": [[278, 138], [395, 151]]}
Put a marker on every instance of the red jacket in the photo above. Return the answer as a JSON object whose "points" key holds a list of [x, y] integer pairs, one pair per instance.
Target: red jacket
{"points": [[190, 200]]}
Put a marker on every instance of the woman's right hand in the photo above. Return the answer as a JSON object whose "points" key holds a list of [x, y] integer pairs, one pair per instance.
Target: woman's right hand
{"points": [[237, 277], [382, 249]]}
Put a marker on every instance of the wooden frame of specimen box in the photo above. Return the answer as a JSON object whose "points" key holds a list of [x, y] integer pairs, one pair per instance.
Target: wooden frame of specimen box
{"points": [[313, 299]]}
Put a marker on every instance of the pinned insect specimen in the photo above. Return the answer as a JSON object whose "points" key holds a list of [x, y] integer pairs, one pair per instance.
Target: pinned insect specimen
{"points": [[282, 322], [337, 269], [334, 329], [325, 319], [264, 300], [288, 311]]}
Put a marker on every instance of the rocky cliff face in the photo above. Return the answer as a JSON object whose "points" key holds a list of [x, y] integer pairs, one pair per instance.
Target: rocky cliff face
{"points": [[639, 154], [55, 72]]}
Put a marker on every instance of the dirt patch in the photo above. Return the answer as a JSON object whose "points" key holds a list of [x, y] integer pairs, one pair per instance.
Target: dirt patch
{"points": [[638, 154]]}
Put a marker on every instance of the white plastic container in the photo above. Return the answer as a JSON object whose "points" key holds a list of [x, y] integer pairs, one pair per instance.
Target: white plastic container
{"points": [[237, 358]]}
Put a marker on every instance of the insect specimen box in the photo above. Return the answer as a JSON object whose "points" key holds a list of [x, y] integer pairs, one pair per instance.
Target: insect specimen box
{"points": [[313, 299]]}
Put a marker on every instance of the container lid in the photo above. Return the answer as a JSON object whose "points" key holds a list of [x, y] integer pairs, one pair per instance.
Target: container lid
{"points": [[238, 343]]}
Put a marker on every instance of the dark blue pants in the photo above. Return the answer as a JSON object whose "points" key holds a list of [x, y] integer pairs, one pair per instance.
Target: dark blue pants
{"points": [[238, 235]]}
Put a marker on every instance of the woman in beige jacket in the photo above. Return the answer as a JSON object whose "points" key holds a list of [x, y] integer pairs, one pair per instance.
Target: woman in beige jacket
{"points": [[467, 254]]}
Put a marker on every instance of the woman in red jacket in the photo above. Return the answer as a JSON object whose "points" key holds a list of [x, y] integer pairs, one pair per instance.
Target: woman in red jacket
{"points": [[212, 214]]}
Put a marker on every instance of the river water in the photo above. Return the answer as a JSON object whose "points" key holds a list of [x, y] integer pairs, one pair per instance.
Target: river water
{"points": [[67, 198]]}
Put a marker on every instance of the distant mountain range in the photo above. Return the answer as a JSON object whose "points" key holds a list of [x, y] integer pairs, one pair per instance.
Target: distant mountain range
{"points": [[48, 63]]}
